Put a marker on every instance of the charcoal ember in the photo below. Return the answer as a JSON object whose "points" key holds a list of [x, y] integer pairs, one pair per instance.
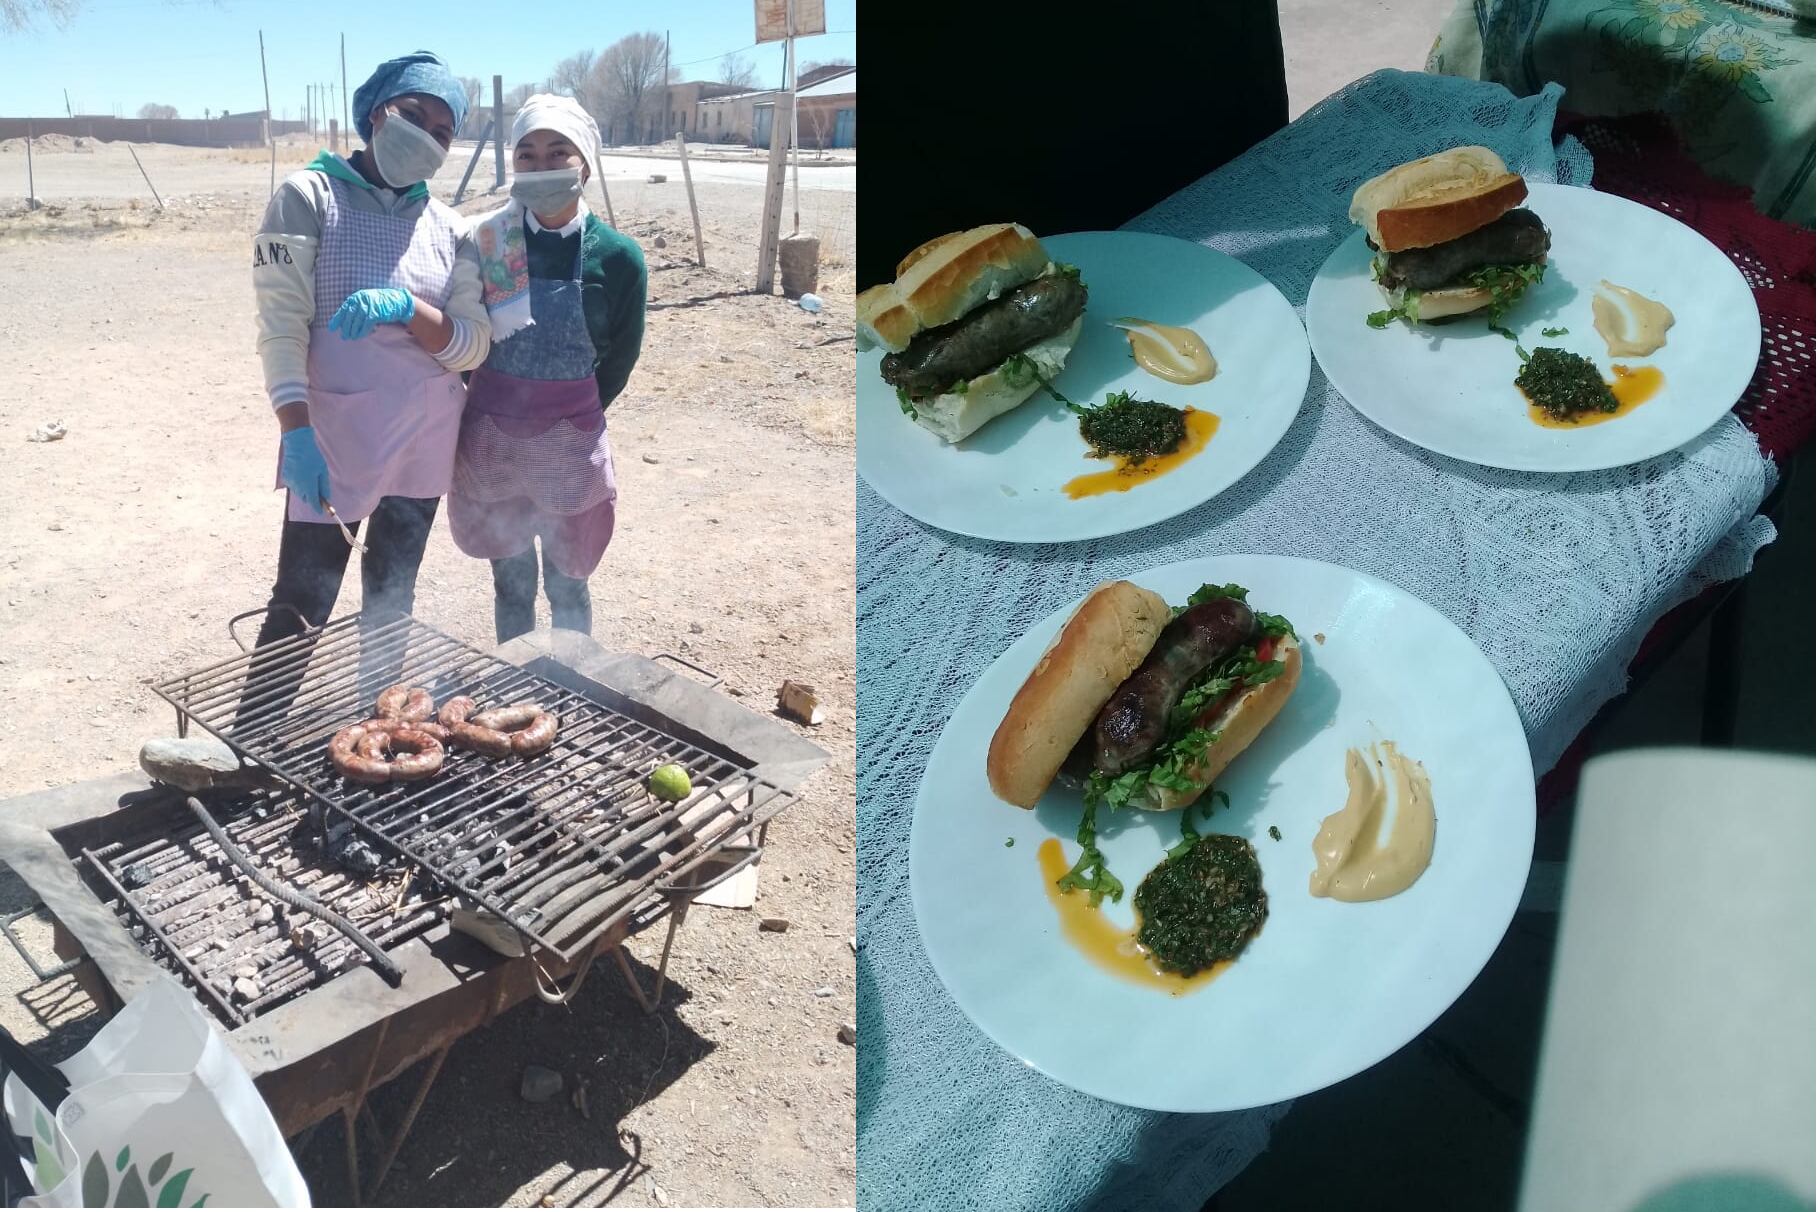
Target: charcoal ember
{"points": [[137, 875], [347, 849]]}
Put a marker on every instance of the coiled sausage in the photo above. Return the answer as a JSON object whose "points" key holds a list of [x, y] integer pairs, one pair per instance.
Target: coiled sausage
{"points": [[535, 737]]}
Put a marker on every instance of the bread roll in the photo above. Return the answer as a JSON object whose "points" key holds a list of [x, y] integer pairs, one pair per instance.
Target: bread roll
{"points": [[1102, 643], [946, 278], [1436, 199]]}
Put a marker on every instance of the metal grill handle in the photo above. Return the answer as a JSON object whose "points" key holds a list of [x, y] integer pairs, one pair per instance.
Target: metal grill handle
{"points": [[714, 679], [51, 974], [308, 627], [676, 888]]}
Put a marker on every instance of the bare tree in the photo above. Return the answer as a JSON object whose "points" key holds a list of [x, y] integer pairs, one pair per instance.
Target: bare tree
{"points": [[738, 71], [16, 15], [516, 96], [152, 111], [629, 75], [821, 127], [574, 77], [477, 117]]}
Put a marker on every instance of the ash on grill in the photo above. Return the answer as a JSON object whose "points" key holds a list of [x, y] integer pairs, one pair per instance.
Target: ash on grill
{"points": [[198, 916]]}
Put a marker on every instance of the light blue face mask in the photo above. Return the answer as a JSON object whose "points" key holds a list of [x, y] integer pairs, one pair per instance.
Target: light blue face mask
{"points": [[405, 154], [547, 193]]}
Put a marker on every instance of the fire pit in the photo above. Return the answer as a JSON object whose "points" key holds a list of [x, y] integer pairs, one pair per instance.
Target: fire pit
{"points": [[563, 849]]}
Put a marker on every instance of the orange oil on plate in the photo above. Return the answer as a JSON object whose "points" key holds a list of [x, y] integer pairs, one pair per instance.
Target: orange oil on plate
{"points": [[1632, 385], [1111, 949], [1127, 475]]}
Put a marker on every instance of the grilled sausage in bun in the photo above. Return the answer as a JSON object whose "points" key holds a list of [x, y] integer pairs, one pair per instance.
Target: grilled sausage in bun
{"points": [[974, 323], [1147, 705]]}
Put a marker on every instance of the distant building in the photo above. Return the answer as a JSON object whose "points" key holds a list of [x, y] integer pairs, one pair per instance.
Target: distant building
{"points": [[731, 118], [826, 113], [682, 108], [818, 74]]}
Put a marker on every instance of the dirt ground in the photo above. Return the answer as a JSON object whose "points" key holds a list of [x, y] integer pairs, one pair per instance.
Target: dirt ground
{"points": [[132, 540]]}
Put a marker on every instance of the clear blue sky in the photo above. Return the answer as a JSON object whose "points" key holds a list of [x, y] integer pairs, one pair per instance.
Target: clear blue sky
{"points": [[191, 54]]}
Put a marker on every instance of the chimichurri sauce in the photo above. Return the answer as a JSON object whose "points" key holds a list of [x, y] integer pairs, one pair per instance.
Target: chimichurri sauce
{"points": [[1564, 385], [1202, 906], [1132, 428]]}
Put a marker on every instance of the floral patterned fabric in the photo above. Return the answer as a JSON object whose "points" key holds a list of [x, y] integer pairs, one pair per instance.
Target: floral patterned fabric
{"points": [[1735, 80]]}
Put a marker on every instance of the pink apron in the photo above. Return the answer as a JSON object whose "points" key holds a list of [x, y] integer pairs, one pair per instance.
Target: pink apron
{"points": [[534, 461], [386, 414]]}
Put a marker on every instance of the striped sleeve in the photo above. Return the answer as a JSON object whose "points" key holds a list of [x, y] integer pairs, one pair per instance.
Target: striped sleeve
{"points": [[467, 347], [473, 332]]}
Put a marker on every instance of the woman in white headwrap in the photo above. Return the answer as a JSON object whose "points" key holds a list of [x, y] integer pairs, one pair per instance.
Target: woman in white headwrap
{"points": [[565, 295]]}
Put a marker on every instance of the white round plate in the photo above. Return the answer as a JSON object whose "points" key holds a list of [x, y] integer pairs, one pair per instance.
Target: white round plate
{"points": [[1004, 481], [1326, 989], [1451, 388]]}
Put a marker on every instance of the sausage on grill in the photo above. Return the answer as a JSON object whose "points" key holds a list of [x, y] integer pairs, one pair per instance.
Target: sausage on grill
{"points": [[353, 765], [382, 751], [412, 704], [535, 737], [507, 719], [418, 755]]}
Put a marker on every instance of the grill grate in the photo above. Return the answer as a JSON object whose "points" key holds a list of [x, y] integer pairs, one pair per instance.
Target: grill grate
{"points": [[194, 912], [562, 846]]}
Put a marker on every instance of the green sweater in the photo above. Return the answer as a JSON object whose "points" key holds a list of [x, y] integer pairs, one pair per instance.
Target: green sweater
{"points": [[613, 286]]}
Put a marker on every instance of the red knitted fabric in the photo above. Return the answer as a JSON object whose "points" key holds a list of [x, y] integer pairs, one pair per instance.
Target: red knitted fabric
{"points": [[1639, 158]]}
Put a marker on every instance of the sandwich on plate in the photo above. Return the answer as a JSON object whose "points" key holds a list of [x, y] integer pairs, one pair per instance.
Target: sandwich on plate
{"points": [[1144, 704], [1451, 237], [974, 324]]}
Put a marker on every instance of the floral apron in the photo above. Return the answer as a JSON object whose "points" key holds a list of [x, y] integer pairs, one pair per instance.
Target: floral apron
{"points": [[533, 460]]}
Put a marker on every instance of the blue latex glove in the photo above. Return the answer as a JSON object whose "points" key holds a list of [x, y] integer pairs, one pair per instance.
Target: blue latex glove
{"points": [[365, 309], [302, 467]]}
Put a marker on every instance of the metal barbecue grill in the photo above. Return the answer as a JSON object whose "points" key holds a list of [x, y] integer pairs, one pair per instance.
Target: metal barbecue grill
{"points": [[568, 848], [562, 846]]}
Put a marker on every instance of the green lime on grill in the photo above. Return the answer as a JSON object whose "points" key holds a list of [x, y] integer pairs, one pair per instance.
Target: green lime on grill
{"points": [[670, 782]]}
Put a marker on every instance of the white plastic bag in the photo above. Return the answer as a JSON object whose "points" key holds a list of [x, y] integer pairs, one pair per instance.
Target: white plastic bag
{"points": [[159, 1114]]}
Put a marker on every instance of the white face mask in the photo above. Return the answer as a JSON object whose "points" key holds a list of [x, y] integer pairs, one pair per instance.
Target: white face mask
{"points": [[403, 153], [547, 193]]}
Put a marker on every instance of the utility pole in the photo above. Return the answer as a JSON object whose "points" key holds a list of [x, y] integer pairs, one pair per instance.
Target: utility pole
{"points": [[347, 117], [667, 110], [796, 158], [66, 104], [499, 134], [270, 140]]}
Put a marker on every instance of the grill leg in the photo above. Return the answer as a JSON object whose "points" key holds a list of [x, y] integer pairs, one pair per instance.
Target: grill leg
{"points": [[410, 1118], [650, 1004], [349, 1120]]}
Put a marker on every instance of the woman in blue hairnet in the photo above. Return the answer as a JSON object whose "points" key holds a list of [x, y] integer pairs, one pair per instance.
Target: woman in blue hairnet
{"points": [[369, 307]]}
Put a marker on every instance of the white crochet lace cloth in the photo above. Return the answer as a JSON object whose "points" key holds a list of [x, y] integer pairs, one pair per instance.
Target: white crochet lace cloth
{"points": [[1557, 578]]}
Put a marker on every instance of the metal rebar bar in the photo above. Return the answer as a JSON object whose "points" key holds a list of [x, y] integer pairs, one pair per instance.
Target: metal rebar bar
{"points": [[393, 974]]}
